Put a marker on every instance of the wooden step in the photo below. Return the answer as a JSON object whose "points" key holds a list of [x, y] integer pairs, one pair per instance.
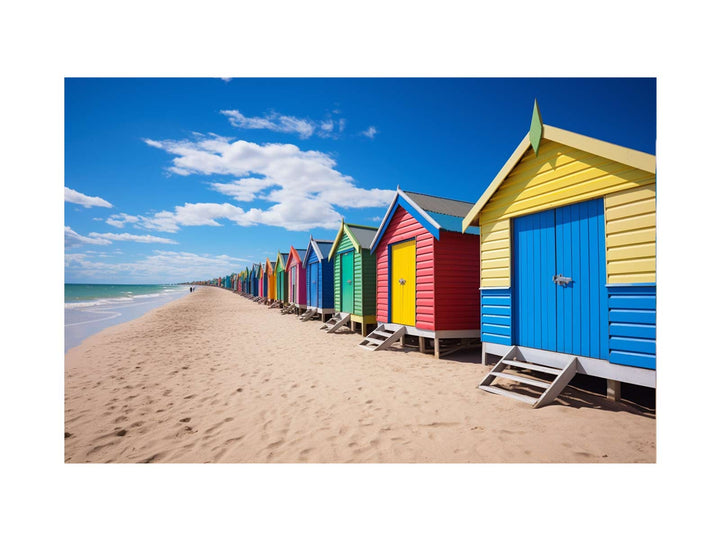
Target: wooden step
{"points": [[508, 393], [532, 367], [373, 340], [524, 380], [383, 333]]}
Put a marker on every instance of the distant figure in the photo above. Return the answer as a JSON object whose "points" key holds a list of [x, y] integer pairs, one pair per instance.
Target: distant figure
{"points": [[190, 289]]}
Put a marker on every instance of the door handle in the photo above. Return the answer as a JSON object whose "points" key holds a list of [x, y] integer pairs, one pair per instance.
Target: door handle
{"points": [[401, 281], [559, 279], [349, 280]]}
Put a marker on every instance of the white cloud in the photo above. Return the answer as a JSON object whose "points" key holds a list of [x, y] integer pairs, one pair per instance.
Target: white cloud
{"points": [[76, 197], [370, 132], [119, 220], [159, 267], [126, 237], [226, 79], [303, 187], [73, 239], [281, 123]]}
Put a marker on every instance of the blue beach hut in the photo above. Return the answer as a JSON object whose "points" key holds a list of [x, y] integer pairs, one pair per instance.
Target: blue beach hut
{"points": [[319, 277]]}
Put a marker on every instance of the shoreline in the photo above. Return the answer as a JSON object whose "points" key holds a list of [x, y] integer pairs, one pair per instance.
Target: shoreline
{"points": [[113, 313], [214, 377]]}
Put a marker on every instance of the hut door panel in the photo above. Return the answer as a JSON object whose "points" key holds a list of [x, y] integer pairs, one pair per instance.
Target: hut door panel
{"points": [[347, 268], [402, 283], [560, 302], [582, 326], [313, 292], [535, 295], [293, 284]]}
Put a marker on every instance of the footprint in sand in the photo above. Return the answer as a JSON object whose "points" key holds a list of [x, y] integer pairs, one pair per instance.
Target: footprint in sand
{"points": [[185, 419]]}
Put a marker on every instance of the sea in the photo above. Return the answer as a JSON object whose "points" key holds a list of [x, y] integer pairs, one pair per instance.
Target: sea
{"points": [[90, 308]]}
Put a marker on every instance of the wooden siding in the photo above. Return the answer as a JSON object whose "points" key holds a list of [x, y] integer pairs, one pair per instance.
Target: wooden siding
{"points": [[345, 244], [403, 226], [630, 235], [632, 325], [496, 316], [457, 282], [300, 293], [365, 273], [560, 175], [326, 281]]}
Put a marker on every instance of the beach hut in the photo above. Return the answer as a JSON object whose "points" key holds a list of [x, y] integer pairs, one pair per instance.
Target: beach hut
{"points": [[427, 274], [354, 269], [255, 280], [320, 278], [297, 288], [271, 280], [281, 284], [568, 260]]}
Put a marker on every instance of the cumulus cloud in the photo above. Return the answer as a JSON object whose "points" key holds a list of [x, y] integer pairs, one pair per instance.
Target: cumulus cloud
{"points": [[75, 197], [303, 188], [119, 220], [370, 132], [158, 267]]}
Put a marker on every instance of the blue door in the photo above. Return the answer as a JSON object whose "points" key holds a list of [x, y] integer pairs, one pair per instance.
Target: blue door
{"points": [[313, 280], [559, 296]]}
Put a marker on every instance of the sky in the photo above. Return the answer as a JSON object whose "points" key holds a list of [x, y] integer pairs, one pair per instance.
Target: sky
{"points": [[173, 180]]}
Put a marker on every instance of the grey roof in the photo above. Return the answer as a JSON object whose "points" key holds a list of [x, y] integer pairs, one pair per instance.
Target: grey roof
{"points": [[440, 205], [325, 247], [364, 235]]}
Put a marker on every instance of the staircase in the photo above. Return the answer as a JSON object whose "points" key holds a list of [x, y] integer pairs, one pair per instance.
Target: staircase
{"points": [[309, 314], [381, 338], [336, 322], [515, 360], [288, 309]]}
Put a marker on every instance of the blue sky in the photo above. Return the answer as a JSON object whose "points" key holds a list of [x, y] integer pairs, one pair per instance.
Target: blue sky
{"points": [[168, 180]]}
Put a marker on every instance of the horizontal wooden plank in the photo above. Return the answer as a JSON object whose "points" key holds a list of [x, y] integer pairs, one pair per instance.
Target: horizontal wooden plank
{"points": [[643, 221], [629, 196], [632, 237], [508, 393], [634, 251], [635, 208], [634, 316], [640, 360], [632, 266], [646, 331], [635, 345], [500, 330], [532, 367], [637, 302], [495, 338], [523, 380]]}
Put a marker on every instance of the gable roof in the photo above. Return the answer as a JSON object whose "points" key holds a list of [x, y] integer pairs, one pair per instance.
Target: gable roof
{"points": [[361, 237], [298, 254], [281, 261], [614, 152], [434, 213], [320, 247]]}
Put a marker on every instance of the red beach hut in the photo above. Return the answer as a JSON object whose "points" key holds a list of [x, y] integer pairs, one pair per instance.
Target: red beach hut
{"points": [[297, 289], [428, 274]]}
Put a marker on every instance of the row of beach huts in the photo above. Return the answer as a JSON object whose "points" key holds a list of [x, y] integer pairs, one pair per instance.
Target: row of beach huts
{"points": [[552, 269]]}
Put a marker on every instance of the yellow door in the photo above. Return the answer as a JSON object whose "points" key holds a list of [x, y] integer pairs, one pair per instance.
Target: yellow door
{"points": [[402, 283]]}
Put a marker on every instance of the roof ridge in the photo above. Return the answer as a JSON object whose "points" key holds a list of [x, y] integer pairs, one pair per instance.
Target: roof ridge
{"points": [[436, 197]]}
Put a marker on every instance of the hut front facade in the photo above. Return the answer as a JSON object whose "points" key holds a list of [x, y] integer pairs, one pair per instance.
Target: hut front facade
{"points": [[297, 288], [427, 270], [281, 284], [271, 280], [354, 268], [568, 255], [319, 276]]}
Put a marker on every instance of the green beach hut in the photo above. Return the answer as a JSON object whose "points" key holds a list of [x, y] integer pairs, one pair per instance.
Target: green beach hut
{"points": [[281, 285], [354, 272]]}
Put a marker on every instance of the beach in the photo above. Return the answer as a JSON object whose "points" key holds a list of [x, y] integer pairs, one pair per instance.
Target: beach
{"points": [[214, 377]]}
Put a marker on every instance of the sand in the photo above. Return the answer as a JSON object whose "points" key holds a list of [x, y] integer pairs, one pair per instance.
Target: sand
{"points": [[214, 377]]}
